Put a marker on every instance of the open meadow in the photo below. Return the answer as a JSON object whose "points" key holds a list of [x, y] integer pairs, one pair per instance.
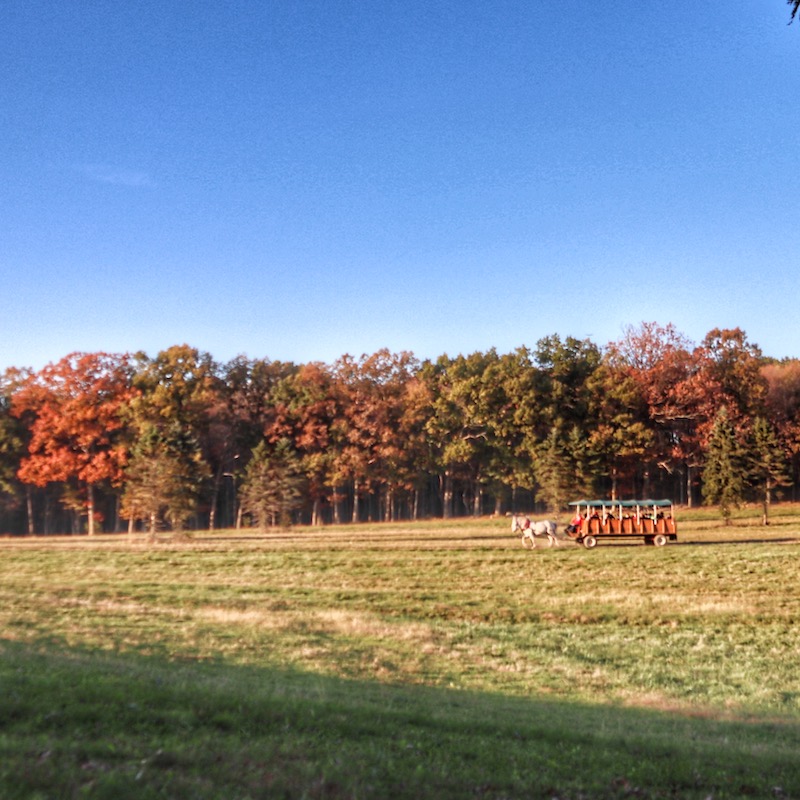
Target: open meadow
{"points": [[430, 659]]}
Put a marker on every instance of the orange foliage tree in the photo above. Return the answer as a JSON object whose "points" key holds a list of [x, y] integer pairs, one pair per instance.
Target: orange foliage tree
{"points": [[305, 408], [370, 451], [73, 410]]}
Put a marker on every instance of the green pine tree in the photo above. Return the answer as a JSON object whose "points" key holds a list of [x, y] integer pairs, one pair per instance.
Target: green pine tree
{"points": [[549, 463], [767, 463], [562, 469], [723, 476], [162, 481], [272, 487]]}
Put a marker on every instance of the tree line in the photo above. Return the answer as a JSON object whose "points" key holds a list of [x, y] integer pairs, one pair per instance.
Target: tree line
{"points": [[101, 442]]}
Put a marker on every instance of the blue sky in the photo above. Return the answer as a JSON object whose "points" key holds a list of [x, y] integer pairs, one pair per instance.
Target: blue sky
{"points": [[300, 180]]}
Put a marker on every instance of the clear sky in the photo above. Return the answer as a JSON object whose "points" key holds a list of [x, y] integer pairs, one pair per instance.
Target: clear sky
{"points": [[297, 180]]}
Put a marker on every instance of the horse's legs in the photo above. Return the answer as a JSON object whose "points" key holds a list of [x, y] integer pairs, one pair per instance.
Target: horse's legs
{"points": [[527, 540]]}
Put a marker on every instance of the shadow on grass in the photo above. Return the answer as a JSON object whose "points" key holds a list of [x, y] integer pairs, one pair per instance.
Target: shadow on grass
{"points": [[749, 540], [80, 723]]}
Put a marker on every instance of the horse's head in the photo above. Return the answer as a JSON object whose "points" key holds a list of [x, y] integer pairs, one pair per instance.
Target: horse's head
{"points": [[519, 523]]}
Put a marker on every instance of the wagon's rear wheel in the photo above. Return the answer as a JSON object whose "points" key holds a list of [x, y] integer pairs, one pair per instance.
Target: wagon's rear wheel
{"points": [[659, 540], [589, 542]]}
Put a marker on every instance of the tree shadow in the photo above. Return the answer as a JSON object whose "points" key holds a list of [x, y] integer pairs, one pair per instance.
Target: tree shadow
{"points": [[81, 721]]}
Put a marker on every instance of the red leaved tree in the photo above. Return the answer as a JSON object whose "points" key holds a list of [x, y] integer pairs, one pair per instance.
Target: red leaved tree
{"points": [[73, 411]]}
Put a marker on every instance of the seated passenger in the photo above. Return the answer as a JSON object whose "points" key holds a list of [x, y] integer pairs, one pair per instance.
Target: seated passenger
{"points": [[575, 523]]}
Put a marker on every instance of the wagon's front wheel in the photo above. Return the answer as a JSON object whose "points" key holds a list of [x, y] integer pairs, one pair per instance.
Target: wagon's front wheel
{"points": [[659, 540], [589, 542]]}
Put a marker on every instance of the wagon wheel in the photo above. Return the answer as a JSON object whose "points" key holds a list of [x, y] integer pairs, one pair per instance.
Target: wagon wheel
{"points": [[527, 542], [659, 540], [589, 542]]}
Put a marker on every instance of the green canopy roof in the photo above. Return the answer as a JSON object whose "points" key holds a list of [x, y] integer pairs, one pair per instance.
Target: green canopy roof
{"points": [[622, 503]]}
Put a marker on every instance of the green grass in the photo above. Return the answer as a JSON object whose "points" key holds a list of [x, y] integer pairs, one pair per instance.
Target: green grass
{"points": [[426, 660]]}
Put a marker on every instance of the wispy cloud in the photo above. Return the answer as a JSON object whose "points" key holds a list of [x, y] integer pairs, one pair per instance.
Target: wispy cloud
{"points": [[117, 176]]}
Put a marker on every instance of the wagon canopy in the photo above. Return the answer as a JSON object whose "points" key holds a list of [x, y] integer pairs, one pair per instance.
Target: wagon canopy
{"points": [[622, 503]]}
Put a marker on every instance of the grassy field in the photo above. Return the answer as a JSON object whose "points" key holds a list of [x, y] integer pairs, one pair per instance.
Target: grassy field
{"points": [[419, 660]]}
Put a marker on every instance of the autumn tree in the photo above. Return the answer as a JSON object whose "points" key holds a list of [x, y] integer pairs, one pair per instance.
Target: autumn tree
{"points": [[660, 361], [369, 452], [783, 406], [733, 367], [396, 429], [419, 454], [246, 410], [685, 386], [171, 419], [76, 424], [304, 409]]}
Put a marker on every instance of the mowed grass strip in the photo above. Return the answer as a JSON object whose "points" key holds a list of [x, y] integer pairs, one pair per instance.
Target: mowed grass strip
{"points": [[628, 669]]}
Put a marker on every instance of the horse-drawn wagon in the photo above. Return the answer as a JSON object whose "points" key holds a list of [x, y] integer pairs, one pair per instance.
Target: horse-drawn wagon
{"points": [[650, 520]]}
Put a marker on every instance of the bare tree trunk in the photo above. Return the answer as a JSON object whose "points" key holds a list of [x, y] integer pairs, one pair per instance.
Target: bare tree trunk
{"points": [[212, 514], [388, 511], [447, 497], [356, 503], [29, 507], [498, 505], [90, 507], [315, 513], [337, 507], [48, 514]]}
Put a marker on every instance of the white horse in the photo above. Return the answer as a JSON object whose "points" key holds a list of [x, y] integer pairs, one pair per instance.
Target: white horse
{"points": [[529, 530]]}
